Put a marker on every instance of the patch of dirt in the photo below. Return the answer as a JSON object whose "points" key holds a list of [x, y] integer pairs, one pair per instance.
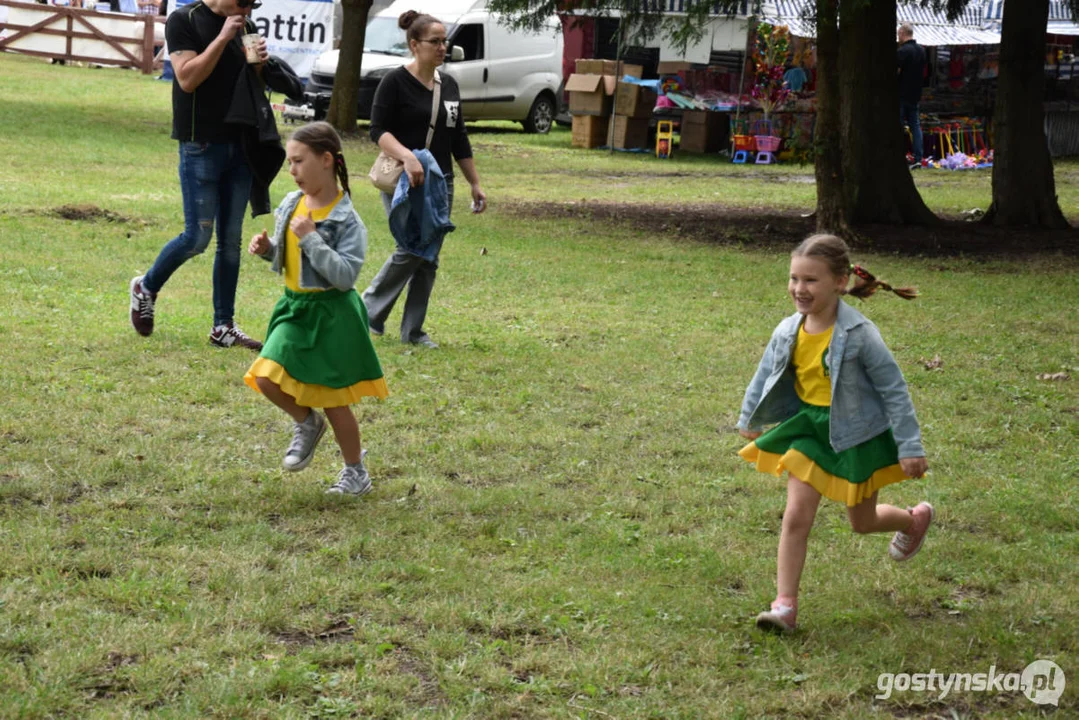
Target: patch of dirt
{"points": [[87, 213], [758, 227], [429, 692], [338, 631]]}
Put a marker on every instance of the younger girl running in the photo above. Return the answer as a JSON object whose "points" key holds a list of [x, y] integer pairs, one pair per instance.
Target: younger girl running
{"points": [[318, 352], [847, 425]]}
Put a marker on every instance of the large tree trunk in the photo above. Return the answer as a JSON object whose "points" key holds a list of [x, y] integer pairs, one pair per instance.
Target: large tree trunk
{"points": [[878, 183], [1024, 192], [827, 140], [346, 80]]}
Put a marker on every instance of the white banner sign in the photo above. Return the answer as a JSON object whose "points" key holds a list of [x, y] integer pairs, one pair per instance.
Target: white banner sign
{"points": [[297, 31]]}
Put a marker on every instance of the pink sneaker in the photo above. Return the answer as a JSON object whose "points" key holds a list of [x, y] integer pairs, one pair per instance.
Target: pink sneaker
{"points": [[906, 544], [781, 618]]}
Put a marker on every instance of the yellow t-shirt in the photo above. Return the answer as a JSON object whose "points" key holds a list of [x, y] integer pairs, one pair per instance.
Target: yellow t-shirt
{"points": [[292, 242], [812, 375]]}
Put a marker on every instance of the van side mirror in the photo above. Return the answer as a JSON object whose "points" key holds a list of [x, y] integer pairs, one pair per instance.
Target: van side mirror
{"points": [[457, 53]]}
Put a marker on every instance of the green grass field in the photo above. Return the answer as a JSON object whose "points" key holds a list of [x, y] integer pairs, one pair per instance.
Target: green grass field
{"points": [[560, 526]]}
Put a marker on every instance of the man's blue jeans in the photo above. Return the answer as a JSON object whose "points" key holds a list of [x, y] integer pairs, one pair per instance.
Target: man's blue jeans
{"points": [[908, 115], [216, 185]]}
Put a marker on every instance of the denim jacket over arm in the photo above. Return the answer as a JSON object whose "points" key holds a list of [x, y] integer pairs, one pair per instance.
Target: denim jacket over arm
{"points": [[869, 394], [420, 216], [332, 255]]}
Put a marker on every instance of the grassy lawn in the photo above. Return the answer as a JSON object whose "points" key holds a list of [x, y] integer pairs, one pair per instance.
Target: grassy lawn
{"points": [[560, 526]]}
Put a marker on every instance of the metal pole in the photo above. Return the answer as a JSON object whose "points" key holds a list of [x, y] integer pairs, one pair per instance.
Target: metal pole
{"points": [[741, 81]]}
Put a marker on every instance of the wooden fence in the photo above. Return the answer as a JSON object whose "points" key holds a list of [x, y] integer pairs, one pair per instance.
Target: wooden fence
{"points": [[74, 33]]}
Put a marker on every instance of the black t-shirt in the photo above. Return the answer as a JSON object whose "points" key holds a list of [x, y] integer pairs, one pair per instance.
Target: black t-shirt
{"points": [[911, 57], [200, 115], [402, 107]]}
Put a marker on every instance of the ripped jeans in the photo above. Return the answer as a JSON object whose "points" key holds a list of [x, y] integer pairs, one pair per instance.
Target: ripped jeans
{"points": [[216, 185]]}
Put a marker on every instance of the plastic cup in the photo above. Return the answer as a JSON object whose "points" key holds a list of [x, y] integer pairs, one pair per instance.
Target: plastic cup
{"points": [[251, 47]]}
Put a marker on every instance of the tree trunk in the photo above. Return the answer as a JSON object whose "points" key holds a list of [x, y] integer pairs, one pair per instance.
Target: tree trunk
{"points": [[346, 79], [879, 186], [1024, 192], [827, 141]]}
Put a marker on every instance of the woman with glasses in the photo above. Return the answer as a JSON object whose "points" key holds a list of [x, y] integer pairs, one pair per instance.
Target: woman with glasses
{"points": [[400, 117]]}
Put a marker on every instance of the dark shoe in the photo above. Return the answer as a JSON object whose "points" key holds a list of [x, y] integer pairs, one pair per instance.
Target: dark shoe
{"points": [[915, 166], [142, 308], [376, 330], [228, 335]]}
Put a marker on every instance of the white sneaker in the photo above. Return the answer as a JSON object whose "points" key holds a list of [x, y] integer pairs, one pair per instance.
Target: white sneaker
{"points": [[781, 618], [906, 545], [351, 481], [305, 438]]}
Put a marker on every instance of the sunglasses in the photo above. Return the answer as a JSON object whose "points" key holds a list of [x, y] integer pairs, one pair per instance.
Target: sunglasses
{"points": [[253, 4]]}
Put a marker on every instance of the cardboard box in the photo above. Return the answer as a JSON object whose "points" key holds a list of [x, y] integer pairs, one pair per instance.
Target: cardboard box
{"points": [[703, 131], [673, 67], [634, 101], [589, 131], [590, 94], [593, 66], [630, 132]]}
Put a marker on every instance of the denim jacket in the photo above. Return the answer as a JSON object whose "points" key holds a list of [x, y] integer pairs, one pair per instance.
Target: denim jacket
{"points": [[332, 255], [869, 394], [420, 216]]}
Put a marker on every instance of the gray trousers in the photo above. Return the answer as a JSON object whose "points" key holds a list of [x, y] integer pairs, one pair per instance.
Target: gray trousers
{"points": [[403, 269]]}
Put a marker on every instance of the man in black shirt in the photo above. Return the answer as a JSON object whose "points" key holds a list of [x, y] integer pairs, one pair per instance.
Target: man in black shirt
{"points": [[207, 58], [911, 62]]}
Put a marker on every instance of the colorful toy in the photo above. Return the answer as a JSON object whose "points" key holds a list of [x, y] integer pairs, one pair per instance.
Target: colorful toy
{"points": [[766, 148], [664, 138]]}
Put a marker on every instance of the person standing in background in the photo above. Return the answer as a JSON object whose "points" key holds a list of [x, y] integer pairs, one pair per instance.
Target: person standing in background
{"points": [[911, 62]]}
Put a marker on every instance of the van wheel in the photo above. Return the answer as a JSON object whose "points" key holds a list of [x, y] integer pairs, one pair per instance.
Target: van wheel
{"points": [[541, 116]]}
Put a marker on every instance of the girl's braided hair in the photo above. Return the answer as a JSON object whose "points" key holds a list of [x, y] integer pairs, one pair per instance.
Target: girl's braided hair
{"points": [[833, 252], [321, 138]]}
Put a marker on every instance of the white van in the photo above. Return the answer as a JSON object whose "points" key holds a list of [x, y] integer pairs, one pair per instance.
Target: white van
{"points": [[503, 74]]}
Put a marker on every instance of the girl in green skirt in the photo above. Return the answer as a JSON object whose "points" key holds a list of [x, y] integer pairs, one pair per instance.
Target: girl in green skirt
{"points": [[846, 423], [318, 351]]}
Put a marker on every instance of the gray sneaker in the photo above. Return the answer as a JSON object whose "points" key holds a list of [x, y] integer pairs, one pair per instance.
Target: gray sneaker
{"points": [[305, 437], [351, 481], [426, 342]]}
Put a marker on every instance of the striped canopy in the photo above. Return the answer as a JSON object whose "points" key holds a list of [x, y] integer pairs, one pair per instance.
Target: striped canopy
{"points": [[930, 28], [1060, 17]]}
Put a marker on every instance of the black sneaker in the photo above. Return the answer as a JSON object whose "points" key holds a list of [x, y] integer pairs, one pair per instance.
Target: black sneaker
{"points": [[228, 335], [142, 308], [915, 166]]}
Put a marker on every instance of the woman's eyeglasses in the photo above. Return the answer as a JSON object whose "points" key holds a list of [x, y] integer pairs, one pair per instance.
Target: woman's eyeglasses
{"points": [[436, 41]]}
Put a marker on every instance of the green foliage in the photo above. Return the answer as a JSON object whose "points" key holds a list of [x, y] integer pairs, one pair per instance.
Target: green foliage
{"points": [[644, 21]]}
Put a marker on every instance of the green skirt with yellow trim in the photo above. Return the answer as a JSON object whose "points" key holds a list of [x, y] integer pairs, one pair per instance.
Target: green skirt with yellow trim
{"points": [[318, 350], [801, 446]]}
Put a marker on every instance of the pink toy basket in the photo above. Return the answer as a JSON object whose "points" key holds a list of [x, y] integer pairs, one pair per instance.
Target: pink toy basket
{"points": [[768, 143]]}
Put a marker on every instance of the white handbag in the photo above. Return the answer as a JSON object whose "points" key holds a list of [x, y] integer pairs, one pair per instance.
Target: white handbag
{"points": [[386, 170]]}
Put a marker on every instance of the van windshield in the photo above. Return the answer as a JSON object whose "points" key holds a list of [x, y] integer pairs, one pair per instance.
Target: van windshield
{"points": [[385, 38]]}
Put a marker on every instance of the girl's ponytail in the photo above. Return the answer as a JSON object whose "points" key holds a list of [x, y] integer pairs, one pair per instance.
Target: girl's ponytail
{"points": [[833, 252], [342, 171], [865, 284]]}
